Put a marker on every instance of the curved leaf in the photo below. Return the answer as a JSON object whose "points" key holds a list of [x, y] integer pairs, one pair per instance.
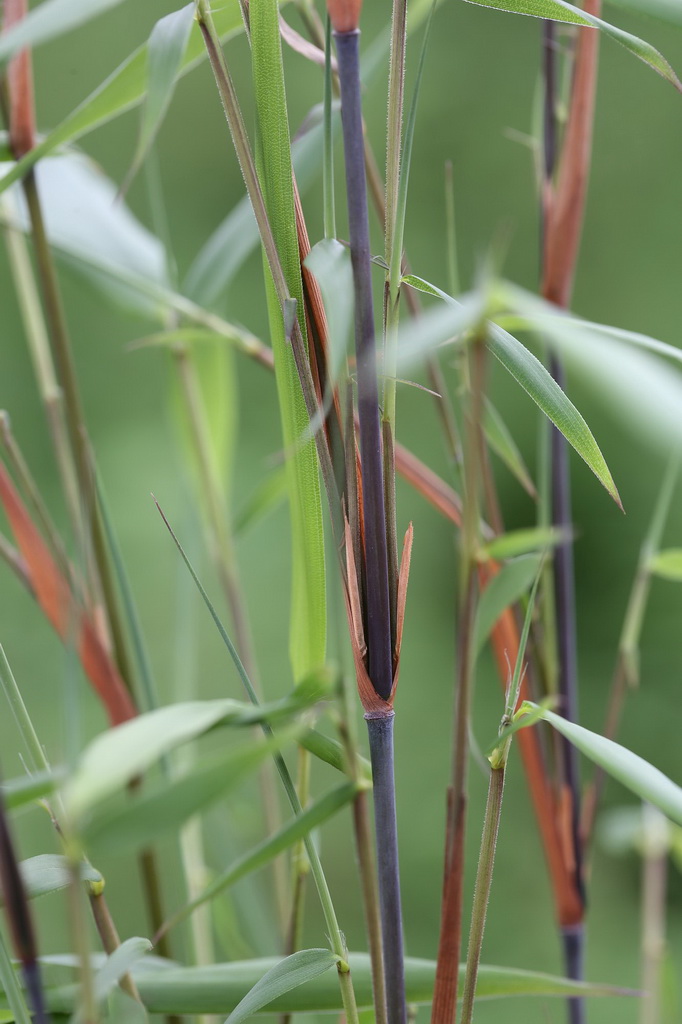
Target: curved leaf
{"points": [[220, 988], [536, 380], [49, 20], [120, 755], [119, 963], [122, 90], [51, 872], [622, 764], [288, 974], [504, 589], [668, 564], [299, 827], [165, 49], [17, 792], [163, 808], [560, 10]]}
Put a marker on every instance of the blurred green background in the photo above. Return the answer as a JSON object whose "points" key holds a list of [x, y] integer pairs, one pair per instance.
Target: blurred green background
{"points": [[479, 87]]}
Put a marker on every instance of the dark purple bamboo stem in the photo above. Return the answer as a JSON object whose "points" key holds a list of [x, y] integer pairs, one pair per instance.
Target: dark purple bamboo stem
{"points": [[385, 823], [564, 577], [19, 921], [376, 554]]}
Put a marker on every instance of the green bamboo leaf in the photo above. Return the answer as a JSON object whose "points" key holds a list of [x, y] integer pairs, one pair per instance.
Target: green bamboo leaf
{"points": [[523, 542], [525, 368], [220, 988], [631, 770], [666, 10], [567, 328], [536, 380], [121, 754], [143, 819], [503, 590], [49, 20], [165, 51], [668, 564], [623, 368], [122, 90], [18, 792], [329, 261], [298, 828], [51, 872], [500, 439], [332, 753], [84, 219], [421, 335], [560, 10], [288, 974], [119, 963], [308, 604]]}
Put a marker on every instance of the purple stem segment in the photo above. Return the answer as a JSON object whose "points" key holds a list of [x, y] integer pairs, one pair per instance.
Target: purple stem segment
{"points": [[379, 647], [19, 920], [573, 938], [385, 823]]}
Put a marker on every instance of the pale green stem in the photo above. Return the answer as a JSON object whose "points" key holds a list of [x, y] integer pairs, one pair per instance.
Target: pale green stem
{"points": [[484, 877], [9, 982], [30, 309], [451, 231], [654, 888]]}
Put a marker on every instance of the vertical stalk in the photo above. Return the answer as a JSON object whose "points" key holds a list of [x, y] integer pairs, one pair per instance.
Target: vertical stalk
{"points": [[19, 920], [345, 19], [385, 823], [376, 554], [654, 887], [562, 212], [447, 971], [484, 877]]}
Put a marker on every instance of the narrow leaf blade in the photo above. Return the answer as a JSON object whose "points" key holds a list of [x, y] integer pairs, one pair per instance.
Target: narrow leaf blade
{"points": [[288, 974]]}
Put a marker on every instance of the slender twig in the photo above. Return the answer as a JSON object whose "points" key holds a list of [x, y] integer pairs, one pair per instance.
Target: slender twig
{"points": [[447, 970], [484, 877], [654, 890], [626, 672]]}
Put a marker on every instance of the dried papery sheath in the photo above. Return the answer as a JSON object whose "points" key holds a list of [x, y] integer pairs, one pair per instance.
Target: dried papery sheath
{"points": [[344, 14], [19, 87]]}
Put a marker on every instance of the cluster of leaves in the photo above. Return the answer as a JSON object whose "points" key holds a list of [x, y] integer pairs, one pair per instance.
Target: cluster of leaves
{"points": [[99, 803]]}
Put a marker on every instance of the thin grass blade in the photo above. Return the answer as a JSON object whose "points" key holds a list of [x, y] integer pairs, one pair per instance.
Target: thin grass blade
{"points": [[560, 10], [165, 51], [291, 972]]}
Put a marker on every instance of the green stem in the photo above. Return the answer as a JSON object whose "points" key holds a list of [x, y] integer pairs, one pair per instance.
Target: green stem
{"points": [[484, 877], [654, 888], [445, 992], [11, 987], [35, 330]]}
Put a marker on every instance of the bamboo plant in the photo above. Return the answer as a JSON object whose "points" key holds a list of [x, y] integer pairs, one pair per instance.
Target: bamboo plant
{"points": [[125, 789]]}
